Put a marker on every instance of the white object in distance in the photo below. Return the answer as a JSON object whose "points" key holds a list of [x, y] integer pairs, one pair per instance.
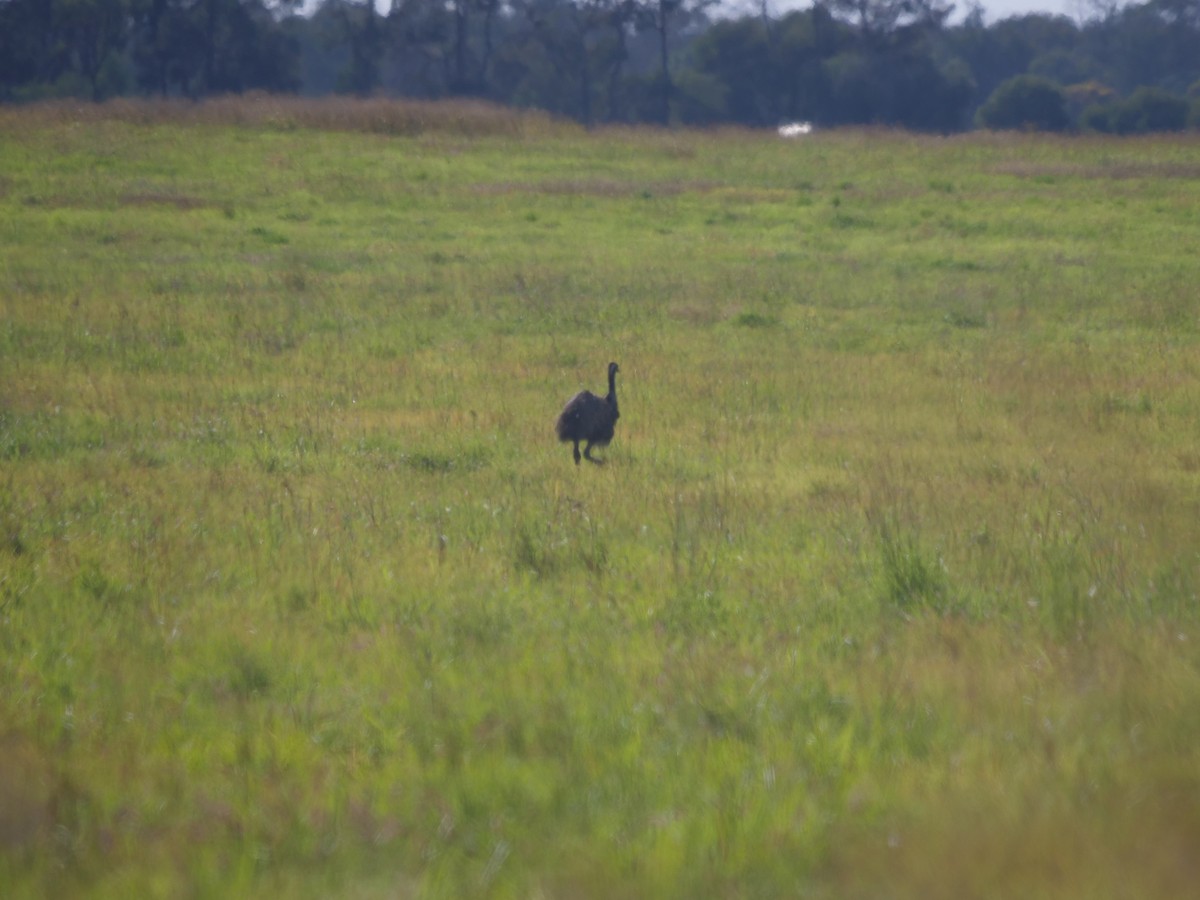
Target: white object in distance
{"points": [[795, 129]]}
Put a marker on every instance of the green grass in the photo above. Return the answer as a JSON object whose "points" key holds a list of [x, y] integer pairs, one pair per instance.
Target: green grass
{"points": [[888, 588]]}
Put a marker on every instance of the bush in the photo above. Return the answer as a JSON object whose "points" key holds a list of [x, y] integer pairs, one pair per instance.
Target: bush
{"points": [[1086, 94], [1025, 102], [1146, 110], [1151, 109], [1098, 117]]}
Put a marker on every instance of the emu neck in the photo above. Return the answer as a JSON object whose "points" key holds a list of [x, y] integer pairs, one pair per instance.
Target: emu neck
{"points": [[612, 391]]}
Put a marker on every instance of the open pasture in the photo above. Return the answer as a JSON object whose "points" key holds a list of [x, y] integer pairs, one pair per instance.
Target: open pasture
{"points": [[888, 588]]}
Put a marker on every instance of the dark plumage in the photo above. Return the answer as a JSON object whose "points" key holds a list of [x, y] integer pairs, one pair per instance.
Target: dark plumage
{"points": [[590, 419]]}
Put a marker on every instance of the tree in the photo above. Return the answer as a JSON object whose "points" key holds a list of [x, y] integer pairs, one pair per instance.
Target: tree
{"points": [[1025, 102], [201, 47], [1013, 45], [1147, 45], [154, 44], [565, 33], [93, 31], [622, 14], [661, 16], [418, 57], [62, 47], [1064, 67], [565, 56], [737, 53], [806, 41], [438, 47], [361, 33], [29, 55], [875, 18], [891, 69]]}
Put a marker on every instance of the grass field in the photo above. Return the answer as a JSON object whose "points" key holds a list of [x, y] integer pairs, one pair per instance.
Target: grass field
{"points": [[887, 590]]}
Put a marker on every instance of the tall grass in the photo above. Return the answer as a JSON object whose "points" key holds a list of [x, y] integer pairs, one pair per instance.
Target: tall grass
{"points": [[889, 586], [407, 118]]}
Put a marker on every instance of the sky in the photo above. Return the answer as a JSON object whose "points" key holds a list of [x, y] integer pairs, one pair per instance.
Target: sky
{"points": [[994, 10]]}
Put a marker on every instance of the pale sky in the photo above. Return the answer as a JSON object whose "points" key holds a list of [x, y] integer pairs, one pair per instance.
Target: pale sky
{"points": [[994, 9], [1001, 9]]}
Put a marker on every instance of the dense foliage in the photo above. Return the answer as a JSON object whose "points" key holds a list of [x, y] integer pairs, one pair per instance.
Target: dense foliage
{"points": [[1025, 101], [889, 62]]}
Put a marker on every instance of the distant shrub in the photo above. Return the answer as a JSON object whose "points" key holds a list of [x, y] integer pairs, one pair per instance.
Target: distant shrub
{"points": [[1025, 102], [1193, 95], [1098, 117], [700, 99], [1151, 109], [1146, 110], [1086, 94]]}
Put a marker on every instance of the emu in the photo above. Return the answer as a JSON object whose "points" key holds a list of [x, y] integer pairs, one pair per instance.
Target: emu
{"points": [[590, 419]]}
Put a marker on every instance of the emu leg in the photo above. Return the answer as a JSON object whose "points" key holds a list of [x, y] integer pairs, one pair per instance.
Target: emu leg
{"points": [[587, 451], [575, 450]]}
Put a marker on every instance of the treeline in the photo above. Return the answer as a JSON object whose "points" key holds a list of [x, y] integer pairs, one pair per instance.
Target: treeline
{"points": [[889, 62]]}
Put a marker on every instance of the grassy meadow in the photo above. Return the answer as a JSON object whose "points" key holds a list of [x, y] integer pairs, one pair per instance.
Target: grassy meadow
{"points": [[888, 588]]}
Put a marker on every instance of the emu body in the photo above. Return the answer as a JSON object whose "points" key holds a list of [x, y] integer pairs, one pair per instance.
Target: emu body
{"points": [[590, 419]]}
